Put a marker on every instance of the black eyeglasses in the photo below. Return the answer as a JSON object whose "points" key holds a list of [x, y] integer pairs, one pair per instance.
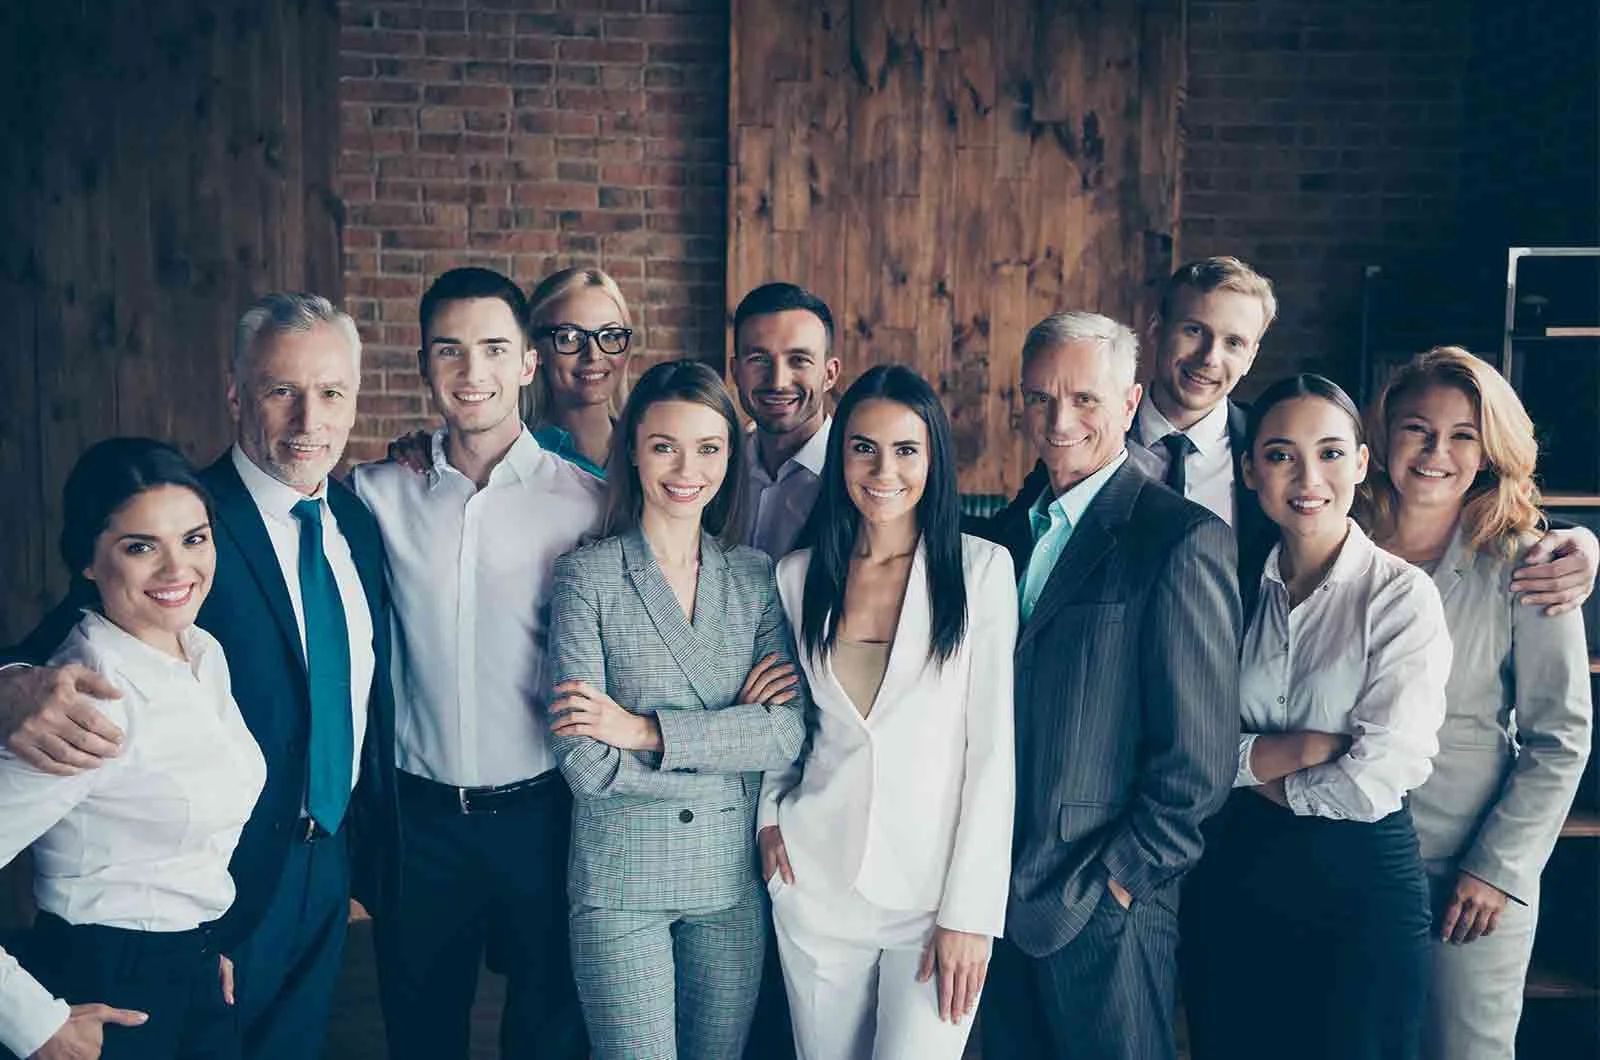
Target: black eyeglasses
{"points": [[570, 339]]}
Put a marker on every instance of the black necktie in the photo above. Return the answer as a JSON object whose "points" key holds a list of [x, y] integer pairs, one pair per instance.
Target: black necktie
{"points": [[1178, 449]]}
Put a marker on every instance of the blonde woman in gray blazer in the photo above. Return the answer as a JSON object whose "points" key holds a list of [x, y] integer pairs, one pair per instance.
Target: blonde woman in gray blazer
{"points": [[1452, 491], [674, 689]]}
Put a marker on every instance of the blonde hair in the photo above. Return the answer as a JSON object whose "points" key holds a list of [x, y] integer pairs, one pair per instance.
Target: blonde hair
{"points": [[536, 399], [1220, 274], [1502, 504]]}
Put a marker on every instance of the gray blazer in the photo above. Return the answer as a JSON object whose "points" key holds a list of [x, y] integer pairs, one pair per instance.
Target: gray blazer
{"points": [[1496, 801], [1127, 705], [673, 830]]}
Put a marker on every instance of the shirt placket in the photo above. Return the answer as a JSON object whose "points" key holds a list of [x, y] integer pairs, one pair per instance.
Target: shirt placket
{"points": [[467, 639]]}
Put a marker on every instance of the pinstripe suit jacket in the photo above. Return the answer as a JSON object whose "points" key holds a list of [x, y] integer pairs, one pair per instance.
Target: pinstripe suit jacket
{"points": [[671, 830], [1127, 704]]}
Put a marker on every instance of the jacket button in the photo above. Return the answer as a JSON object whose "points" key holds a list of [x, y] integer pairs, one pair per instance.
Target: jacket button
{"points": [[685, 816]]}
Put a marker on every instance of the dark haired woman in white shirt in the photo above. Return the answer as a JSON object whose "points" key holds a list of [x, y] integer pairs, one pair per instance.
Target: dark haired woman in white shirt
{"points": [[131, 859]]}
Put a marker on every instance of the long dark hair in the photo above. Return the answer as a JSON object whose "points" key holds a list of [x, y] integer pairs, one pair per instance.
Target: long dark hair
{"points": [[697, 384], [108, 475], [835, 522]]}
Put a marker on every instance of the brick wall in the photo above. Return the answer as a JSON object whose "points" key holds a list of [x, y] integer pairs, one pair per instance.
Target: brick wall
{"points": [[527, 136], [1323, 135]]}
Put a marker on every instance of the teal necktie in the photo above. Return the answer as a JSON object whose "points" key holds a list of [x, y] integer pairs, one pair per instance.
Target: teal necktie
{"points": [[327, 676]]}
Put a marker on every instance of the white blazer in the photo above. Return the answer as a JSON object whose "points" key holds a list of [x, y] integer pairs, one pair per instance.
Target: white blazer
{"points": [[911, 806]]}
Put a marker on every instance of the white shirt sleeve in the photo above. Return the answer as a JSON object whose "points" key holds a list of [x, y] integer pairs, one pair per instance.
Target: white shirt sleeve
{"points": [[1396, 718], [1244, 776], [29, 1014]]}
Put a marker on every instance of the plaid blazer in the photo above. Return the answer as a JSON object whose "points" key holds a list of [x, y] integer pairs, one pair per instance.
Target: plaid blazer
{"points": [[674, 830]]}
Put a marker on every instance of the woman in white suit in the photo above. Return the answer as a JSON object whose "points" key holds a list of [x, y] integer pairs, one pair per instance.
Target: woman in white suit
{"points": [[887, 848]]}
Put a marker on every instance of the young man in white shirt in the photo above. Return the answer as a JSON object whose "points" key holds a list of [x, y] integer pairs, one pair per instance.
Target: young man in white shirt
{"points": [[484, 814], [783, 366]]}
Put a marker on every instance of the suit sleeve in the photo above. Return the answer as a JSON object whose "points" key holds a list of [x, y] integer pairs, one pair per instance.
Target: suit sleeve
{"points": [[979, 876], [1550, 671], [577, 653], [746, 736], [776, 783], [1190, 712]]}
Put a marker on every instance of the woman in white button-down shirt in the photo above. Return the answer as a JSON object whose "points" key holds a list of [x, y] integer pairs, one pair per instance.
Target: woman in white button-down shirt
{"points": [[1306, 922], [887, 850], [131, 859], [1452, 491]]}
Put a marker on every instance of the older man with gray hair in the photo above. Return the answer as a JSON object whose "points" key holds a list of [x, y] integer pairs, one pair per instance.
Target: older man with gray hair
{"points": [[1127, 712], [299, 606]]}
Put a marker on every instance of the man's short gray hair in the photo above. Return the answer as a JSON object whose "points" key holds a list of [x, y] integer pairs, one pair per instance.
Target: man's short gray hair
{"points": [[281, 312], [1120, 344]]}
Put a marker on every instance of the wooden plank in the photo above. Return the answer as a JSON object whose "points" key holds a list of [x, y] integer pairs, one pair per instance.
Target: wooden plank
{"points": [[971, 298], [1163, 78]]}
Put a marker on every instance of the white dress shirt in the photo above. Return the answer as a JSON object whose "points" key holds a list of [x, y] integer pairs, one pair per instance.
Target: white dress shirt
{"points": [[777, 507], [1208, 471], [276, 503], [1367, 654], [470, 575], [143, 841]]}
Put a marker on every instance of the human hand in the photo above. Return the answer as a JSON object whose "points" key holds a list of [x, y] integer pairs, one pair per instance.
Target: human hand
{"points": [[774, 855], [583, 710], [771, 682], [225, 972], [413, 451], [1474, 910], [1558, 571], [49, 719], [83, 1035], [961, 960], [1120, 893]]}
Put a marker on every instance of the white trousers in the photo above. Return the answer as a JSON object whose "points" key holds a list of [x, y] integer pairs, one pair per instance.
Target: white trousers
{"points": [[850, 969]]}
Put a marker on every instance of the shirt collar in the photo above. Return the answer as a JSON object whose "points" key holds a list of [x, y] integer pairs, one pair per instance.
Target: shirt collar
{"points": [[275, 499], [1355, 557], [1071, 504], [811, 456], [520, 461], [144, 667], [1209, 432]]}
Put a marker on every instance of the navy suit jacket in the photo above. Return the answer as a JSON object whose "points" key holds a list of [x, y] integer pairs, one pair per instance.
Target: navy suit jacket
{"points": [[250, 614]]}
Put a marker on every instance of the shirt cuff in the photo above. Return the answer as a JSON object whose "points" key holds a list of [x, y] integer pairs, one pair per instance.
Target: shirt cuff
{"points": [[16, 666], [33, 1017], [1244, 776]]}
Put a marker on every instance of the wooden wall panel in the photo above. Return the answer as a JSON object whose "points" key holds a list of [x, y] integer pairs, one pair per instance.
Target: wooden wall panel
{"points": [[946, 172], [164, 163]]}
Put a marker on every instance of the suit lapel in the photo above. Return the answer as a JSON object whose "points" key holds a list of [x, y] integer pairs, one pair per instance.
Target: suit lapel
{"points": [[694, 647], [1091, 541], [237, 512], [1452, 565], [913, 631]]}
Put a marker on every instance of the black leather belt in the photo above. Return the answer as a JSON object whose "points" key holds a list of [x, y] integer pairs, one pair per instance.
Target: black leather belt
{"points": [[445, 798]]}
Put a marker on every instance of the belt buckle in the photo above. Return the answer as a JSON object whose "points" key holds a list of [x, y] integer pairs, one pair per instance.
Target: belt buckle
{"points": [[311, 830], [461, 800]]}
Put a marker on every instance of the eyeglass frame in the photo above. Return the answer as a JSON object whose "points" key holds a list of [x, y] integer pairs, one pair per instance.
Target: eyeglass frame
{"points": [[589, 337]]}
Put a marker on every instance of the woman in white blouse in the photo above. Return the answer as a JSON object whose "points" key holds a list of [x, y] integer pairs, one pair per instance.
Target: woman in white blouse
{"points": [[887, 848], [131, 859], [1306, 923], [1452, 491]]}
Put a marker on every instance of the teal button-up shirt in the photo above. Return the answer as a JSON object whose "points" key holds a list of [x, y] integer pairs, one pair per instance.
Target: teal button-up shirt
{"points": [[1052, 521], [555, 440]]}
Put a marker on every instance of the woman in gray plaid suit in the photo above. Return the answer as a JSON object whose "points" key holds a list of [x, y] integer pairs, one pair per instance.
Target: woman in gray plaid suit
{"points": [[674, 690]]}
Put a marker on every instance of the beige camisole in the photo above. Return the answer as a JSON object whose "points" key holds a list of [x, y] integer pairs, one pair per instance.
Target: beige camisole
{"points": [[859, 665]]}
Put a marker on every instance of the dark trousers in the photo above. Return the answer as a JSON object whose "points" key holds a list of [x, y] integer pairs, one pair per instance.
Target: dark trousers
{"points": [[171, 976], [771, 1034], [1106, 995], [466, 879], [1305, 937], [285, 970]]}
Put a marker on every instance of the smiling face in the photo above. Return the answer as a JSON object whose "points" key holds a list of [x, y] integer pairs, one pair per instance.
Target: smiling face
{"points": [[1074, 410], [153, 564], [1435, 447], [1305, 466], [1203, 348], [782, 369], [590, 376], [295, 406], [681, 453], [886, 460], [476, 363]]}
